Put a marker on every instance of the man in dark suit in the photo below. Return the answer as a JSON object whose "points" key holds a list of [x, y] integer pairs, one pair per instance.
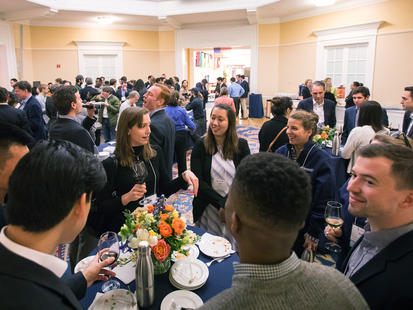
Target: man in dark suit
{"points": [[360, 94], [32, 108], [407, 103], [162, 127], [122, 92], [202, 88], [324, 108], [243, 99], [12, 115], [381, 189], [88, 91], [36, 227]]}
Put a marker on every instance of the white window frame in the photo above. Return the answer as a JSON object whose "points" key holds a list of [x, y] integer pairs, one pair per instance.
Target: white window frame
{"points": [[349, 35], [108, 48]]}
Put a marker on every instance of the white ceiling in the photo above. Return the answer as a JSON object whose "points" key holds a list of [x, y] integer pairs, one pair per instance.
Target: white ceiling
{"points": [[164, 14]]}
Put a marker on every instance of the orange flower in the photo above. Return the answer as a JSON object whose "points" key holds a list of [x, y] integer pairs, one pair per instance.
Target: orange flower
{"points": [[163, 216], [324, 135], [161, 250], [150, 208], [165, 230], [178, 225], [169, 208]]}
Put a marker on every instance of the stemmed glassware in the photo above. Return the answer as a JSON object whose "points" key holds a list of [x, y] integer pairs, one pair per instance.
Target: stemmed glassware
{"points": [[140, 175], [334, 219], [108, 246]]}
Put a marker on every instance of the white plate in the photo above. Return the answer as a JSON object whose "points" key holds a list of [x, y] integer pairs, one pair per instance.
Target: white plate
{"points": [[189, 273], [214, 246], [115, 300], [181, 287], [83, 263], [193, 252], [182, 298]]}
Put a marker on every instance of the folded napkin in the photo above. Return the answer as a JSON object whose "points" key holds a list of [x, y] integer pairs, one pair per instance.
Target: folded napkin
{"points": [[95, 301], [125, 273]]}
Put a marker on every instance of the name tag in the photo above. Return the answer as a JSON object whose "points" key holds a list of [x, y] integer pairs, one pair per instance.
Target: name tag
{"points": [[150, 200], [356, 233]]}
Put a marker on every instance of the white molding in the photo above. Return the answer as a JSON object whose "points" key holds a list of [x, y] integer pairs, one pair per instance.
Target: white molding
{"points": [[269, 20], [7, 40], [101, 48], [86, 25], [214, 36], [355, 34]]}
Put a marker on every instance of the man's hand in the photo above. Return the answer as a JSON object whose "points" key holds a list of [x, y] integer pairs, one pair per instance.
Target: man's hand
{"points": [[309, 244], [95, 272], [190, 178]]}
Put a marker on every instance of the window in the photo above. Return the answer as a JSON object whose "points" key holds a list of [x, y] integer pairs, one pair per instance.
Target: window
{"points": [[346, 64], [100, 65]]}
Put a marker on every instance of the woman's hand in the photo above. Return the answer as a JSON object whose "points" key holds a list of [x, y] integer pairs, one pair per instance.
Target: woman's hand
{"points": [[137, 192], [332, 234], [190, 178], [309, 243]]}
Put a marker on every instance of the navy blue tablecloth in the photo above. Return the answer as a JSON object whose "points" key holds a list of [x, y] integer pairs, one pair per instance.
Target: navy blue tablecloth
{"points": [[256, 109], [220, 278]]}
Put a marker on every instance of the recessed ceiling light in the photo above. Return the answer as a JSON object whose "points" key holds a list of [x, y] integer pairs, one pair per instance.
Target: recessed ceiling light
{"points": [[105, 19], [323, 2]]}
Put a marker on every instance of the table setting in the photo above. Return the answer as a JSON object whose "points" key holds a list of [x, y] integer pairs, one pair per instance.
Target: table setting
{"points": [[189, 265]]}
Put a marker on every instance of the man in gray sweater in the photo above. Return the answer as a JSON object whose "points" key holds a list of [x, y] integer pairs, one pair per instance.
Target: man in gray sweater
{"points": [[267, 205]]}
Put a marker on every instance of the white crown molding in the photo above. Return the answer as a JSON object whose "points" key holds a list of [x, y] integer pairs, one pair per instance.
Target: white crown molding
{"points": [[264, 21], [350, 31], [100, 45], [350, 4], [45, 23], [214, 25]]}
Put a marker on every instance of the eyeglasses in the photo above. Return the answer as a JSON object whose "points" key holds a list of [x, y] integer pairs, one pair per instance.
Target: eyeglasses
{"points": [[399, 134]]}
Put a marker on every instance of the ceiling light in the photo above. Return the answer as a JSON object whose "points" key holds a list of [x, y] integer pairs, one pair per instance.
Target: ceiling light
{"points": [[105, 20], [323, 2]]}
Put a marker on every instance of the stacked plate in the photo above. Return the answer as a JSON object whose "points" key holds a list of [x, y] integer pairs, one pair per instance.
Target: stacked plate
{"points": [[188, 274]]}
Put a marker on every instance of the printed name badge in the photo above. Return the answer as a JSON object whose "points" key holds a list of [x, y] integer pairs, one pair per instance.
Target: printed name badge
{"points": [[151, 200], [356, 233]]}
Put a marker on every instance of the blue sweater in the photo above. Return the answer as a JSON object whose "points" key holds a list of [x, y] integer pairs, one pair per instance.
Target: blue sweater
{"points": [[180, 118]]}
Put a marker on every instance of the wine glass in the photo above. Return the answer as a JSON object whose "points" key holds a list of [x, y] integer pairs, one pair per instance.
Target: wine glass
{"points": [[334, 219], [108, 246], [140, 175]]}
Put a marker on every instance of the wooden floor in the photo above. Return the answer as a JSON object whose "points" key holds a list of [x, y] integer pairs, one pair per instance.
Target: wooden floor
{"points": [[253, 122]]}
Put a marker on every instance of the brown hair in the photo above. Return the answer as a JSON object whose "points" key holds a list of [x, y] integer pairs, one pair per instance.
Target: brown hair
{"points": [[230, 146], [165, 93], [399, 139], [309, 120], [130, 117]]}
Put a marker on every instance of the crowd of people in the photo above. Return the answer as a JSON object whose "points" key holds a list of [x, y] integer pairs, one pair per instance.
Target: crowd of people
{"points": [[269, 205]]}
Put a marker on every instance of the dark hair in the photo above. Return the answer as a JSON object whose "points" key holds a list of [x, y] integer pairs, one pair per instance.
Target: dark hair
{"points": [[204, 81], [35, 91], [273, 190], [23, 85], [362, 90], [13, 79], [243, 76], [402, 158], [112, 82], [174, 99], [61, 172], [169, 82], [318, 83], [149, 77], [63, 98], [11, 135], [370, 114], [124, 78], [410, 89], [79, 78], [230, 146], [107, 89], [4, 93], [357, 84], [232, 79], [53, 88], [176, 78], [12, 99], [220, 79], [59, 81], [139, 85], [280, 105]]}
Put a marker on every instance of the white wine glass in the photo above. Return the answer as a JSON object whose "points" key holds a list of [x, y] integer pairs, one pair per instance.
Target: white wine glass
{"points": [[108, 246], [334, 219]]}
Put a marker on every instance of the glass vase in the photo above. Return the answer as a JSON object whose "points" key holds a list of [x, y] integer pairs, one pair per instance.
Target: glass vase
{"points": [[161, 267]]}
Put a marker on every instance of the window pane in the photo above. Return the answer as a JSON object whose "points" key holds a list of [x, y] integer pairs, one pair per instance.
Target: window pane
{"points": [[361, 66]]}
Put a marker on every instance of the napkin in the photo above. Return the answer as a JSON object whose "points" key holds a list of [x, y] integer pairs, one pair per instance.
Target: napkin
{"points": [[125, 273], [94, 301]]}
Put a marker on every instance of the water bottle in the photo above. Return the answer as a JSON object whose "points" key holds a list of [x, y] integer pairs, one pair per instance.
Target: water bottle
{"points": [[145, 290], [336, 144]]}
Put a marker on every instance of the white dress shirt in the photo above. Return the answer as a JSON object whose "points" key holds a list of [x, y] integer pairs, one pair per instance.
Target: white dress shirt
{"points": [[319, 110]]}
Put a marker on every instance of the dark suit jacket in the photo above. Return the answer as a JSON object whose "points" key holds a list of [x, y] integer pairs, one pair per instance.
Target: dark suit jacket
{"points": [[88, 92], [329, 110], [350, 120], [51, 111], [385, 281], [203, 90], [35, 116], [244, 84], [118, 93], [270, 130], [406, 123], [201, 166], [15, 117], [163, 135], [27, 285], [70, 130]]}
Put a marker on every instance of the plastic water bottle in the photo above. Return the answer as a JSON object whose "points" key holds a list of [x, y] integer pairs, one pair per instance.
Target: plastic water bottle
{"points": [[336, 144], [145, 284]]}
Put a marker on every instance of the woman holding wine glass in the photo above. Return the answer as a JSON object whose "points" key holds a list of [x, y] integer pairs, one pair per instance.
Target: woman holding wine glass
{"points": [[136, 169], [301, 127]]}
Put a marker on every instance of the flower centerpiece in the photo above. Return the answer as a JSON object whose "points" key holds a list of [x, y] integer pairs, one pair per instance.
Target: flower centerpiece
{"points": [[324, 135], [161, 226]]}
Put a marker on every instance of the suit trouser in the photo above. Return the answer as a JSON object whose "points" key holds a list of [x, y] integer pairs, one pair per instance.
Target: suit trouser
{"points": [[244, 109], [108, 130], [80, 248], [236, 103], [180, 150]]}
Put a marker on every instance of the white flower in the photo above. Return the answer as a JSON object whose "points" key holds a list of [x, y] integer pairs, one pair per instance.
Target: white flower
{"points": [[142, 234], [153, 240], [134, 243]]}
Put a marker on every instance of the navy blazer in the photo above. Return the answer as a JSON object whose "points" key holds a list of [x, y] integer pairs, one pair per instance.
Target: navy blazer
{"points": [[350, 121], [329, 110], [35, 116], [27, 285], [385, 280], [163, 135], [406, 123]]}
